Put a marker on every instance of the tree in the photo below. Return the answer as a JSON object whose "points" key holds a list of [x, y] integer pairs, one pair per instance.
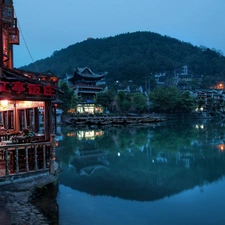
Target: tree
{"points": [[67, 97], [124, 101], [163, 99], [140, 102], [170, 99], [105, 99], [133, 56], [187, 102]]}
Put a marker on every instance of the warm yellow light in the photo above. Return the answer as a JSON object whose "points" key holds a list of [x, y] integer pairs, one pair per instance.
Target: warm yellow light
{"points": [[220, 86], [221, 147], [4, 103], [72, 134]]}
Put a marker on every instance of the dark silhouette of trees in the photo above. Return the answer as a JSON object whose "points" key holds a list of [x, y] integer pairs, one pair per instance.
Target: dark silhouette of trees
{"points": [[68, 97], [105, 99], [139, 102], [133, 56], [124, 101], [171, 100]]}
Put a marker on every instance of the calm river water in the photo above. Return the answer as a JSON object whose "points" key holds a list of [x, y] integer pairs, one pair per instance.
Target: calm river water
{"points": [[169, 174]]}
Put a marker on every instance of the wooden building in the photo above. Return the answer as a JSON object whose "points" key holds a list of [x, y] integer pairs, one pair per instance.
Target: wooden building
{"points": [[23, 147], [85, 84]]}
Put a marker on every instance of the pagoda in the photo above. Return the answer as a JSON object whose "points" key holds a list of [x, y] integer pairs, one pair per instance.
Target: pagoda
{"points": [[87, 84]]}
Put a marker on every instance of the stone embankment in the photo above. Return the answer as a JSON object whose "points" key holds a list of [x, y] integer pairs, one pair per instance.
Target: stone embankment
{"points": [[15, 206], [111, 120], [19, 211]]}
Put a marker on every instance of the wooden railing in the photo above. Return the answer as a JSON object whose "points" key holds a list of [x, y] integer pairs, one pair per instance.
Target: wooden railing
{"points": [[27, 157]]}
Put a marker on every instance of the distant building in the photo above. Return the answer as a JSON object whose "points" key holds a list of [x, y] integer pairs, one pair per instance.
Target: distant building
{"points": [[126, 90], [160, 78], [181, 71], [86, 84], [211, 98], [182, 75]]}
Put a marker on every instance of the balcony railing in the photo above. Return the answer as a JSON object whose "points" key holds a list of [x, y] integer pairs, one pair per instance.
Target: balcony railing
{"points": [[23, 158]]}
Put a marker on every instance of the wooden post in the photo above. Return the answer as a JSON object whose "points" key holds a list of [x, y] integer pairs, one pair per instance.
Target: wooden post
{"points": [[17, 161], [35, 158], [52, 154], [44, 156], [48, 119], [6, 162], [27, 160]]}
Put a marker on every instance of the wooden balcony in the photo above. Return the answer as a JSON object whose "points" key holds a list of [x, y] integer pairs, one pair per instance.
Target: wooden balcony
{"points": [[23, 158]]}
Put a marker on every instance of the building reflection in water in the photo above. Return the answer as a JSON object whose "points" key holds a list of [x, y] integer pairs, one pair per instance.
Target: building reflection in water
{"points": [[139, 163]]}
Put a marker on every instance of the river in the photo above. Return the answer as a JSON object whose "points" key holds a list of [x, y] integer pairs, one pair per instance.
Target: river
{"points": [[167, 174]]}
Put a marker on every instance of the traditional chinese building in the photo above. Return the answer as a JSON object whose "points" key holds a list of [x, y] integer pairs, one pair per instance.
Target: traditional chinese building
{"points": [[24, 146], [87, 84], [23, 94]]}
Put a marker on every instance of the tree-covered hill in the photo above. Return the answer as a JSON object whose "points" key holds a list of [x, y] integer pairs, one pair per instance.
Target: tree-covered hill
{"points": [[133, 56]]}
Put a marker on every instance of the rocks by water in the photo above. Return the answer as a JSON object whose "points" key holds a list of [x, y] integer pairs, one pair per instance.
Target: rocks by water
{"points": [[4, 217], [16, 207], [20, 211]]}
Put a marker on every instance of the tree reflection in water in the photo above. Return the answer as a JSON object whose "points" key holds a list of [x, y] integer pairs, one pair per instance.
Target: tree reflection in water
{"points": [[142, 163]]}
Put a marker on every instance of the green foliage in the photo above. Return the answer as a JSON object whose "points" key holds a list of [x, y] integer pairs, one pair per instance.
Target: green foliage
{"points": [[173, 139], [124, 101], [105, 99], [187, 102], [124, 140], [133, 56], [170, 99], [140, 102], [67, 97], [140, 139]]}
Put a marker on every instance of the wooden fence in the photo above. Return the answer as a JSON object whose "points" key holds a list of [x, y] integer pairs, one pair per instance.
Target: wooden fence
{"points": [[27, 157]]}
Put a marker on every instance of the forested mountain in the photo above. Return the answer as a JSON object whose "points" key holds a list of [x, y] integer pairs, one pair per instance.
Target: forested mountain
{"points": [[133, 56]]}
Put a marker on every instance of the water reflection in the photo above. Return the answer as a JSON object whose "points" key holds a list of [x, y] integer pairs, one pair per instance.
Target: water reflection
{"points": [[142, 163]]}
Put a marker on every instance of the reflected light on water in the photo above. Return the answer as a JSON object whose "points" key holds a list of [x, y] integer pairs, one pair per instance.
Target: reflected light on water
{"points": [[71, 134], [197, 126], [221, 147], [89, 135], [172, 174]]}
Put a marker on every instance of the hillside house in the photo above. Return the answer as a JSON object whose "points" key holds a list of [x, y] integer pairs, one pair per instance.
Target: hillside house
{"points": [[160, 78], [211, 98]]}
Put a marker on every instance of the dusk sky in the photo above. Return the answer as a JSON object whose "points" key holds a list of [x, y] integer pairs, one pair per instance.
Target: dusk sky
{"points": [[50, 25]]}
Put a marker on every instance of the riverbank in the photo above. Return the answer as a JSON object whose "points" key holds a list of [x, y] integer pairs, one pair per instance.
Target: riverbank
{"points": [[4, 216], [18, 210], [15, 200], [96, 120]]}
